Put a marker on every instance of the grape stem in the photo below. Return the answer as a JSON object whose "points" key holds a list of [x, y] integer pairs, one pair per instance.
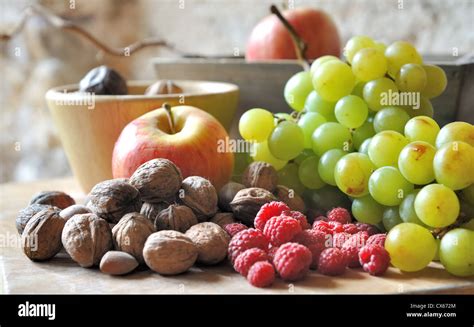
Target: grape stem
{"points": [[440, 232], [299, 44], [169, 114]]}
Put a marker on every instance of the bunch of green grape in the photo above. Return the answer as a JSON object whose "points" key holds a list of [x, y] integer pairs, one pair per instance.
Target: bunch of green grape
{"points": [[350, 132]]}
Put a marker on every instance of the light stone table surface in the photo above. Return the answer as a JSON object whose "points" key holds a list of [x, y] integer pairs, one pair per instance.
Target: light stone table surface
{"points": [[19, 275]]}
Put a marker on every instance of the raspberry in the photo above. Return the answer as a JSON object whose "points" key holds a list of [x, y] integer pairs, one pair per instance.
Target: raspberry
{"points": [[234, 228], [351, 248], [267, 211], [350, 228], [339, 239], [244, 240], [336, 227], [281, 229], [271, 252], [261, 274], [247, 258], [370, 229], [322, 226], [377, 239], [315, 241], [292, 261], [301, 218], [341, 215], [374, 259], [332, 262]]}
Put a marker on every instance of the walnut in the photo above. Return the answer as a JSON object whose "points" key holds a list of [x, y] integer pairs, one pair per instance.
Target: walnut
{"points": [[112, 199], [86, 238], [223, 218], [293, 200], [53, 198], [169, 252], [157, 180], [247, 203], [175, 217], [130, 234], [75, 209], [41, 239], [117, 263], [151, 210], [25, 214], [260, 174], [199, 194], [227, 194], [211, 241]]}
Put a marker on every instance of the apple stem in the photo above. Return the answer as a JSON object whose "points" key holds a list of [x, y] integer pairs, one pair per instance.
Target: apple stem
{"points": [[299, 44], [169, 114]]}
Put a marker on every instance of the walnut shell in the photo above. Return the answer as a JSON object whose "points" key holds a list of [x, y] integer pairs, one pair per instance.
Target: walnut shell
{"points": [[175, 217], [41, 239], [223, 218], [86, 238], [25, 214], [112, 199], [247, 203], [75, 209], [169, 252], [157, 180], [211, 241], [260, 174], [130, 234], [200, 195], [53, 198], [290, 197], [227, 194], [151, 210]]}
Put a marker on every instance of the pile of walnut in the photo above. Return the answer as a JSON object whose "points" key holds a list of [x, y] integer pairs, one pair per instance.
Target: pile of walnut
{"points": [[156, 218]]}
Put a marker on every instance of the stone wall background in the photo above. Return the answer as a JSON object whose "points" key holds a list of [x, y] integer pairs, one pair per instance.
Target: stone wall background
{"points": [[42, 57]]}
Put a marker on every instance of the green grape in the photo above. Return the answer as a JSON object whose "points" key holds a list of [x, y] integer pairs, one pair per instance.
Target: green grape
{"points": [[388, 186], [325, 198], [255, 125], [407, 209], [333, 80], [400, 53], [411, 247], [456, 252], [468, 194], [377, 93], [364, 147], [352, 174], [283, 116], [422, 128], [241, 161], [308, 122], [351, 111], [391, 119], [367, 210], [288, 176], [261, 152], [391, 218], [359, 89], [321, 60], [437, 205], [411, 78], [355, 44], [306, 153], [327, 164], [331, 136], [380, 46], [297, 89], [369, 64], [456, 131], [453, 165], [385, 147], [424, 108], [314, 103], [436, 81], [416, 162], [308, 173], [362, 133], [286, 141]]}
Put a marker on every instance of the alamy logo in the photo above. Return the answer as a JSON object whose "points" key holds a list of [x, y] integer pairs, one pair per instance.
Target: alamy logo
{"points": [[37, 310]]}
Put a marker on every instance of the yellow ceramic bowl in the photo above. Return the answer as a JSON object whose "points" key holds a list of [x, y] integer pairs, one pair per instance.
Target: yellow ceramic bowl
{"points": [[89, 126]]}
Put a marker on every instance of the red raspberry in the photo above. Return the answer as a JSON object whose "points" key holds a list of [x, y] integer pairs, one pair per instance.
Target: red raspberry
{"points": [[339, 239], [341, 215], [292, 261], [332, 262], [301, 218], [234, 228], [315, 240], [281, 229], [267, 211], [350, 228], [351, 248], [271, 252], [374, 259], [370, 229], [261, 274], [244, 240], [377, 239], [336, 227], [322, 226], [247, 258]]}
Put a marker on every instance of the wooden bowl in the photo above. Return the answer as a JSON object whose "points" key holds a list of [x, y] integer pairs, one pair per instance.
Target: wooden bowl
{"points": [[88, 126]]}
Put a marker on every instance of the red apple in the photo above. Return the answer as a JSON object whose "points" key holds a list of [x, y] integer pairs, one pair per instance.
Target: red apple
{"points": [[193, 147], [270, 39]]}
